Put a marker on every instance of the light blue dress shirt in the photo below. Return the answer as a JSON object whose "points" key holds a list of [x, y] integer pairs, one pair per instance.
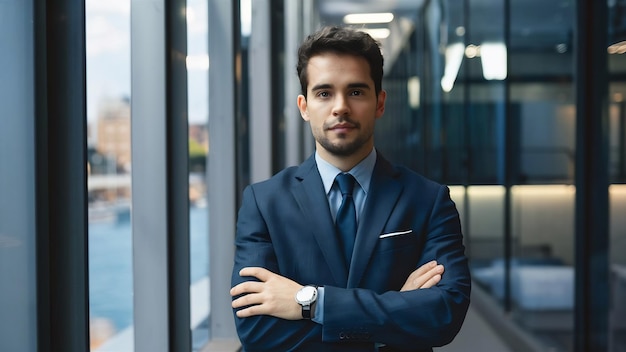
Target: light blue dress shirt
{"points": [[362, 172]]}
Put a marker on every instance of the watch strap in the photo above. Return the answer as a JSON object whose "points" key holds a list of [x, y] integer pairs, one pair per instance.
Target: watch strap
{"points": [[306, 311]]}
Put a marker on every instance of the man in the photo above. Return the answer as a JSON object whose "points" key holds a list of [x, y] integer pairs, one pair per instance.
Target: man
{"points": [[305, 278]]}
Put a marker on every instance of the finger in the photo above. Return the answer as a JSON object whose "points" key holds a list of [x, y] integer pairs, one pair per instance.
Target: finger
{"points": [[425, 268], [251, 311], [246, 287], [416, 275], [255, 304], [260, 273], [420, 280], [432, 281], [247, 300]]}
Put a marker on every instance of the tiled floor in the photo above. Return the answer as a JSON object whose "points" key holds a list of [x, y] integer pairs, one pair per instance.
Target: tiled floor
{"points": [[475, 335]]}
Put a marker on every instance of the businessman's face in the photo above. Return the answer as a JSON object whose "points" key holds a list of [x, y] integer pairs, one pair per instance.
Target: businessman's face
{"points": [[341, 105]]}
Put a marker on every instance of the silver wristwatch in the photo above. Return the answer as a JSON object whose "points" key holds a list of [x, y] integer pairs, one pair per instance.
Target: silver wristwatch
{"points": [[305, 297]]}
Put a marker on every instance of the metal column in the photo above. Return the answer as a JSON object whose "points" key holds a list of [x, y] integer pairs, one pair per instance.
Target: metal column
{"points": [[61, 164], [160, 203], [260, 88], [592, 203], [222, 188]]}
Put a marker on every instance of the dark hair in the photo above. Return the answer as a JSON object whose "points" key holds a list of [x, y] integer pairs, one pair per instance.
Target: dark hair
{"points": [[341, 40]]}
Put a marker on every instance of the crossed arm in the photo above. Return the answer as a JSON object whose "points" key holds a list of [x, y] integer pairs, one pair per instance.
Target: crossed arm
{"points": [[268, 317], [275, 295]]}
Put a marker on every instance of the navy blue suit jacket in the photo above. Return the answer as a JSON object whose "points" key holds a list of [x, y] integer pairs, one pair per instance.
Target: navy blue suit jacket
{"points": [[285, 225]]}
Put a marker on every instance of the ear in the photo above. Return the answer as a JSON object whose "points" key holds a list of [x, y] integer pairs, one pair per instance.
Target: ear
{"points": [[302, 106], [380, 103]]}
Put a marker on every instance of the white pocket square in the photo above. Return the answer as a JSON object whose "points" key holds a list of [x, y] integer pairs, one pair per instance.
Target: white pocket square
{"points": [[391, 234]]}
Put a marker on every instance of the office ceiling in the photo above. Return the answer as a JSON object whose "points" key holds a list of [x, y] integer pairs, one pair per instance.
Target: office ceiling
{"points": [[533, 23], [334, 10]]}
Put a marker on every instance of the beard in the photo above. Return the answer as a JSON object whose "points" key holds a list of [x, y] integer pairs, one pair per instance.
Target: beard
{"points": [[342, 147]]}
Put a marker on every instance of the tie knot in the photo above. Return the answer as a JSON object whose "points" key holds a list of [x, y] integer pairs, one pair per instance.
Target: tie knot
{"points": [[346, 183]]}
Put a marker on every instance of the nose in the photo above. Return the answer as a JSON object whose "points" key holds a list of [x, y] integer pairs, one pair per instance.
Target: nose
{"points": [[341, 106]]}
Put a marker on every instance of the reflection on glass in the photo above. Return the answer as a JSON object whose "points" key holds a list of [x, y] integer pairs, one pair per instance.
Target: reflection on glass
{"points": [[617, 203], [482, 108], [542, 264], [109, 181], [617, 174], [617, 275], [543, 114], [197, 78]]}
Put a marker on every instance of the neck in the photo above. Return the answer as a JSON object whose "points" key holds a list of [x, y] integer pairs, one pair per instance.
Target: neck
{"points": [[344, 162]]}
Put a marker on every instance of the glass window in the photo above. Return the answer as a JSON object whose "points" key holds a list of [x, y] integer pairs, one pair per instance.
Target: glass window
{"points": [[617, 173], [471, 86], [18, 178], [197, 93], [542, 111], [109, 181]]}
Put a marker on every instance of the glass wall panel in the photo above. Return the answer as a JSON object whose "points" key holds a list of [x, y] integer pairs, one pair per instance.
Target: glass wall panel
{"points": [[109, 165], [485, 69], [480, 96], [547, 121], [18, 179], [542, 266], [198, 81], [487, 105], [617, 233], [617, 173], [542, 104]]}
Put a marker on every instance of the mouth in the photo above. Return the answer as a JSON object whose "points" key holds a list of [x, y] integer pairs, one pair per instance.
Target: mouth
{"points": [[342, 127]]}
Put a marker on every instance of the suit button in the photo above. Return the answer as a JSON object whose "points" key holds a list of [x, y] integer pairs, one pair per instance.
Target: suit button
{"points": [[342, 336]]}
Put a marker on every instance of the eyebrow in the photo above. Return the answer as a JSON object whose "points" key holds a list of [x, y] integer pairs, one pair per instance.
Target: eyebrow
{"points": [[351, 86]]}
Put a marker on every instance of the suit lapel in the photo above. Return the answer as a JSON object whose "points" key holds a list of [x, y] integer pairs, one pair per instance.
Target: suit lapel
{"points": [[383, 194], [310, 196]]}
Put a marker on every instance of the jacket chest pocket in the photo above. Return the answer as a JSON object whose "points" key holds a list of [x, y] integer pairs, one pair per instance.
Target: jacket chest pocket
{"points": [[397, 241], [396, 256]]}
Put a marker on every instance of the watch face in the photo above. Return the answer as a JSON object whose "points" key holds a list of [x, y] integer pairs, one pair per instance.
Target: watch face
{"points": [[306, 294]]}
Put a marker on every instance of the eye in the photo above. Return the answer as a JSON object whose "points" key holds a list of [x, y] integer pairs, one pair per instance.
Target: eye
{"points": [[323, 94], [357, 92]]}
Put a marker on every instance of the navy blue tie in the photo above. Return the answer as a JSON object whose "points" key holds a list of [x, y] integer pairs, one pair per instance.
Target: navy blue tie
{"points": [[346, 216]]}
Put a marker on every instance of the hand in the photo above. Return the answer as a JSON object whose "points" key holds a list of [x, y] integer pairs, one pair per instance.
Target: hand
{"points": [[428, 275], [274, 295]]}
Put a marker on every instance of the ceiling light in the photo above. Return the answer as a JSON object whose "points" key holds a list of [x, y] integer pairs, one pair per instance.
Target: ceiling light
{"points": [[413, 90], [454, 57], [376, 33], [354, 18], [472, 51], [493, 58]]}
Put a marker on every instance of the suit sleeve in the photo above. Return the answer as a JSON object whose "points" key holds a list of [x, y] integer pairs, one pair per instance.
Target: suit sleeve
{"points": [[414, 319], [254, 248]]}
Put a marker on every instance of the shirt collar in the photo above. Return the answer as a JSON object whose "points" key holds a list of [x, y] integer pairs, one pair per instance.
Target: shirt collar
{"points": [[362, 171]]}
